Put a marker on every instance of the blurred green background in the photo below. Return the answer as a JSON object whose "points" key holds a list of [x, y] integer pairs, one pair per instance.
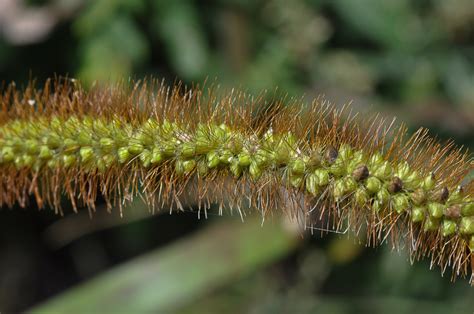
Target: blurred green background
{"points": [[410, 59]]}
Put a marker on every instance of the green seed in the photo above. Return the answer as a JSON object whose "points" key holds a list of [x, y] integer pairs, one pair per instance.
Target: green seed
{"points": [[417, 214], [312, 184], [296, 180], [261, 157], [123, 154], [52, 163], [179, 167], [32, 146], [315, 160], [19, 162], [188, 150], [298, 166], [84, 138], [429, 182], [339, 189], [383, 171], [436, 210], [53, 142], [145, 158], [202, 168], [235, 144], [109, 160], [282, 154], [226, 156], [235, 168], [403, 170], [376, 206], [466, 226], [448, 228], [468, 209], [70, 145], [358, 158], [203, 145], [431, 224], [244, 159], [45, 152], [8, 154], [219, 133], [456, 196], [135, 148], [212, 159], [107, 144], [400, 203], [86, 153], [361, 197], [344, 187], [383, 196], [156, 156], [168, 149], [255, 171], [350, 184], [376, 159], [338, 168], [345, 152], [28, 160], [412, 181], [101, 166], [373, 185], [167, 127], [189, 166], [69, 160], [323, 177]]}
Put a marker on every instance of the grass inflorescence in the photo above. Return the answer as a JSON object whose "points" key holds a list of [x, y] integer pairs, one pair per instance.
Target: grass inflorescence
{"points": [[312, 161]]}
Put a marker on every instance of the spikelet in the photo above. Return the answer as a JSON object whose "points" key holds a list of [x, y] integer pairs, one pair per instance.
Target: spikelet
{"points": [[312, 162]]}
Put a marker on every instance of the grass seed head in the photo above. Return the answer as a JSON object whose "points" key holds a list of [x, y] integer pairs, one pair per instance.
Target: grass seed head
{"points": [[232, 149]]}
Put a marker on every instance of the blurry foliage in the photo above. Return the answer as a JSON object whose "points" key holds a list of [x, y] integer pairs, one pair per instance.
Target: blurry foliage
{"points": [[111, 53], [399, 53], [414, 59], [177, 275]]}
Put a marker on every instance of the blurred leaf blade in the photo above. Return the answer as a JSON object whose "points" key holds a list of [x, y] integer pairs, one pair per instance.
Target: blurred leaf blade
{"points": [[168, 278]]}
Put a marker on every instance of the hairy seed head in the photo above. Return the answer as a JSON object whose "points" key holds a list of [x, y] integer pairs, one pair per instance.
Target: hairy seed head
{"points": [[311, 162]]}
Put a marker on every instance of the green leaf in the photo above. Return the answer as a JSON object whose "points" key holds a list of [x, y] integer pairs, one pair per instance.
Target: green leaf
{"points": [[173, 276]]}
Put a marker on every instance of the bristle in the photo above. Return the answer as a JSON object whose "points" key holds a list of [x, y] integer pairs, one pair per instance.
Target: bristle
{"points": [[174, 146]]}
